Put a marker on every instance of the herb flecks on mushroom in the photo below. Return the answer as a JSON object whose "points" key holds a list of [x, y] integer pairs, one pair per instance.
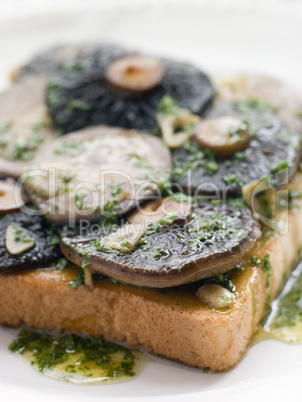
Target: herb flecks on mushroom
{"points": [[27, 241], [24, 125], [212, 241], [274, 146], [97, 171]]}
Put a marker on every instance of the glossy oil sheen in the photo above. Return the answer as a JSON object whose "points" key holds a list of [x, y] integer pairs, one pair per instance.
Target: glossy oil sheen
{"points": [[284, 322], [77, 359]]}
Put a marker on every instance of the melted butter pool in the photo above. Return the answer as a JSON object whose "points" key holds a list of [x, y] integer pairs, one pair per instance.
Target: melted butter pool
{"points": [[284, 322], [77, 359]]}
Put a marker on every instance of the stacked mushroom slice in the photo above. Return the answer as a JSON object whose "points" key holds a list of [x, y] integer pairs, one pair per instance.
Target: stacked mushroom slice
{"points": [[97, 171], [185, 245]]}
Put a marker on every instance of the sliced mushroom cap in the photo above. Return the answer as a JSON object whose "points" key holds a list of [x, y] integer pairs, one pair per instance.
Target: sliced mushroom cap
{"points": [[27, 241], [97, 171], [224, 135], [86, 98], [135, 73], [214, 241], [24, 125], [11, 197], [274, 146], [154, 211]]}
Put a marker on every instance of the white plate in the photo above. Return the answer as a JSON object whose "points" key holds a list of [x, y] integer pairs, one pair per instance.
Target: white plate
{"points": [[221, 36]]}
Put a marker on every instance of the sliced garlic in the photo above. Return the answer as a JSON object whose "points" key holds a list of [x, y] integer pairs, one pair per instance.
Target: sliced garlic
{"points": [[88, 277], [215, 295], [155, 210], [172, 122], [124, 239], [18, 239]]}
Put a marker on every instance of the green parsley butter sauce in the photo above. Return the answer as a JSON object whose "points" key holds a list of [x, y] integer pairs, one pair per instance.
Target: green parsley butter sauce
{"points": [[78, 359], [284, 321]]}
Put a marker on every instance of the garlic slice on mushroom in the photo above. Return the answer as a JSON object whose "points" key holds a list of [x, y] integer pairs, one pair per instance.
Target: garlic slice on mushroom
{"points": [[18, 239], [224, 135], [154, 211], [179, 121], [215, 295], [124, 239]]}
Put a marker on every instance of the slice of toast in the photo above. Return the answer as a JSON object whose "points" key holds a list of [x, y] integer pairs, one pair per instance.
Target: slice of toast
{"points": [[171, 322]]}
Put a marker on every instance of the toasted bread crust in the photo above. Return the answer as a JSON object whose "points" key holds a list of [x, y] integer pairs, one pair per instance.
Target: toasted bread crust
{"points": [[174, 324]]}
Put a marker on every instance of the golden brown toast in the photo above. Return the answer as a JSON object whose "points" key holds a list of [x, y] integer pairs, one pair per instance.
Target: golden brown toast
{"points": [[171, 322]]}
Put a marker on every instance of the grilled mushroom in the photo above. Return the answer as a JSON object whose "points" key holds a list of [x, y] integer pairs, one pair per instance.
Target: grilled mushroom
{"points": [[224, 135], [24, 126], [48, 61], [105, 89], [27, 241], [100, 170], [283, 97], [213, 241], [274, 146]]}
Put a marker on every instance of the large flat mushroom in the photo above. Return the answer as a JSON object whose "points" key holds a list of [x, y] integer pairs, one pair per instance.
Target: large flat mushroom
{"points": [[170, 253], [97, 171]]}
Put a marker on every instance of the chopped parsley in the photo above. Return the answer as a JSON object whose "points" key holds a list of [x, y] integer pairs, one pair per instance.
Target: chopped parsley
{"points": [[196, 156], [168, 105], [158, 253], [25, 149], [279, 166], [48, 351], [232, 178], [71, 148], [80, 279], [76, 104], [79, 198], [266, 266], [256, 103]]}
